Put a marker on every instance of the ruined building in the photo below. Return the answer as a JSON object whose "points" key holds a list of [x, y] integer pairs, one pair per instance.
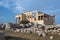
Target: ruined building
{"points": [[36, 17]]}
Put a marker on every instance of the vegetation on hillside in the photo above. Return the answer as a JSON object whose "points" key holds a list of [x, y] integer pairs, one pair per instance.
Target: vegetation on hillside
{"points": [[24, 21]]}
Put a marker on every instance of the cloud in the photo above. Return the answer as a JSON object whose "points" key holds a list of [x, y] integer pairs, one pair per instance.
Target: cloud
{"points": [[19, 9], [1, 3], [12, 4], [4, 4], [52, 11]]}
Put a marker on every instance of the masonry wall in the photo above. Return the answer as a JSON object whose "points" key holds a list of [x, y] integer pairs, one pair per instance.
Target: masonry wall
{"points": [[40, 21], [48, 20], [29, 16]]}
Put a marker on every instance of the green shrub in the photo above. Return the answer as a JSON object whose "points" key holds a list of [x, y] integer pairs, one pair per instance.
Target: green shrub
{"points": [[24, 21]]}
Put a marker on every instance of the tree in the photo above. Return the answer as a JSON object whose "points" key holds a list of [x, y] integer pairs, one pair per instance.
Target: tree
{"points": [[24, 21]]}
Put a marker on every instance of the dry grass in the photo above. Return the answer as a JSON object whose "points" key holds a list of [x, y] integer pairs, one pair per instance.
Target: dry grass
{"points": [[33, 36]]}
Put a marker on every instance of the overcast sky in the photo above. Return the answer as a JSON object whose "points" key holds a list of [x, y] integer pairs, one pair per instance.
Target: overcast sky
{"points": [[10, 8]]}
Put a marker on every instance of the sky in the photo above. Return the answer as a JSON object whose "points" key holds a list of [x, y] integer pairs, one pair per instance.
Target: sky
{"points": [[10, 8]]}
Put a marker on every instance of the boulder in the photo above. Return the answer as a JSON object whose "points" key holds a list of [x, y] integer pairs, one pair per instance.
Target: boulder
{"points": [[51, 37]]}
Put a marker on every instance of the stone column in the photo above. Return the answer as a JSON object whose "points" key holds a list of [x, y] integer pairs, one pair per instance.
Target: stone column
{"points": [[40, 17], [43, 19], [16, 20]]}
